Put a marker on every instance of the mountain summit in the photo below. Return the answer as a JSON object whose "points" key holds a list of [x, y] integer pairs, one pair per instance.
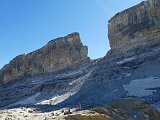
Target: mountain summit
{"points": [[57, 54]]}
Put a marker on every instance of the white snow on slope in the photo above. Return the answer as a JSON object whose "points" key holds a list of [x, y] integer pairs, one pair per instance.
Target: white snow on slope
{"points": [[56, 99], [125, 60], [140, 87], [76, 85], [69, 74], [30, 100]]}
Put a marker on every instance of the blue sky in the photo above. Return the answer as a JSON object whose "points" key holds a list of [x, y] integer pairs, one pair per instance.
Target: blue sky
{"points": [[26, 25]]}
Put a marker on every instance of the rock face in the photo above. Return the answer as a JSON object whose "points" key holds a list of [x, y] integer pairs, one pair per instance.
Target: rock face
{"points": [[135, 28], [57, 54]]}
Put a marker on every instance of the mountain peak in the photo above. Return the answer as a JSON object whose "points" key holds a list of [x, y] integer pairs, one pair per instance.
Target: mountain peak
{"points": [[57, 54]]}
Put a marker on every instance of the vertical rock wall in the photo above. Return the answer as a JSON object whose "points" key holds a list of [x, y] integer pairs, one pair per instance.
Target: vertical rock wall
{"points": [[135, 28], [57, 54]]}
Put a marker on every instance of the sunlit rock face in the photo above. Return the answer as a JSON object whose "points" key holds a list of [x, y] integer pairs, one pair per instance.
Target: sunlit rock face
{"points": [[57, 54], [135, 28]]}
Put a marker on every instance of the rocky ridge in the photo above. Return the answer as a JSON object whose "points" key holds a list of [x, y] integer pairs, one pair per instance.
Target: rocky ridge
{"points": [[57, 54]]}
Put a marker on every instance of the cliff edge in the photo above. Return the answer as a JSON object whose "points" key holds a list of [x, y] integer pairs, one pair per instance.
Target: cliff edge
{"points": [[57, 54], [135, 29]]}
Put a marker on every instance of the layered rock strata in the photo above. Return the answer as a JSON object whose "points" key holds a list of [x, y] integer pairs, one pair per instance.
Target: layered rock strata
{"points": [[135, 28], [57, 54]]}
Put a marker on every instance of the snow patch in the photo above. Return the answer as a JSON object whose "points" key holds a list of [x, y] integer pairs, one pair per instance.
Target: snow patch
{"points": [[57, 99], [75, 87], [35, 81], [126, 60], [128, 75], [142, 87], [30, 100], [69, 74]]}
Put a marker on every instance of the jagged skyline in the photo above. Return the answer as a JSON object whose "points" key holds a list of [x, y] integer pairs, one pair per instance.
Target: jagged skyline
{"points": [[27, 26]]}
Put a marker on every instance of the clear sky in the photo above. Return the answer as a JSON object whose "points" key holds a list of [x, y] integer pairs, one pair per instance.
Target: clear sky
{"points": [[26, 25]]}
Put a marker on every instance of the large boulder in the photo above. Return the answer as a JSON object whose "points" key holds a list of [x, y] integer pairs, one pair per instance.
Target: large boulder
{"points": [[57, 54], [135, 28]]}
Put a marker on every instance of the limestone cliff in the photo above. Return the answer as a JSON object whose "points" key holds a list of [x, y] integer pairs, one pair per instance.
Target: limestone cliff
{"points": [[135, 28], [57, 54]]}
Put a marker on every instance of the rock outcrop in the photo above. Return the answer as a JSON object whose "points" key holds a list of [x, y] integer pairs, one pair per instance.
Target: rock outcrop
{"points": [[135, 29], [57, 54], [129, 109]]}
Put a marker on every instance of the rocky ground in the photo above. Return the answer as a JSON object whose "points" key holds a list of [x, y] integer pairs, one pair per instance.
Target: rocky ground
{"points": [[123, 109]]}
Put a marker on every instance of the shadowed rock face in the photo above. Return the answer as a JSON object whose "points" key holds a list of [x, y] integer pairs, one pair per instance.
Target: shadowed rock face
{"points": [[135, 28], [56, 55]]}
